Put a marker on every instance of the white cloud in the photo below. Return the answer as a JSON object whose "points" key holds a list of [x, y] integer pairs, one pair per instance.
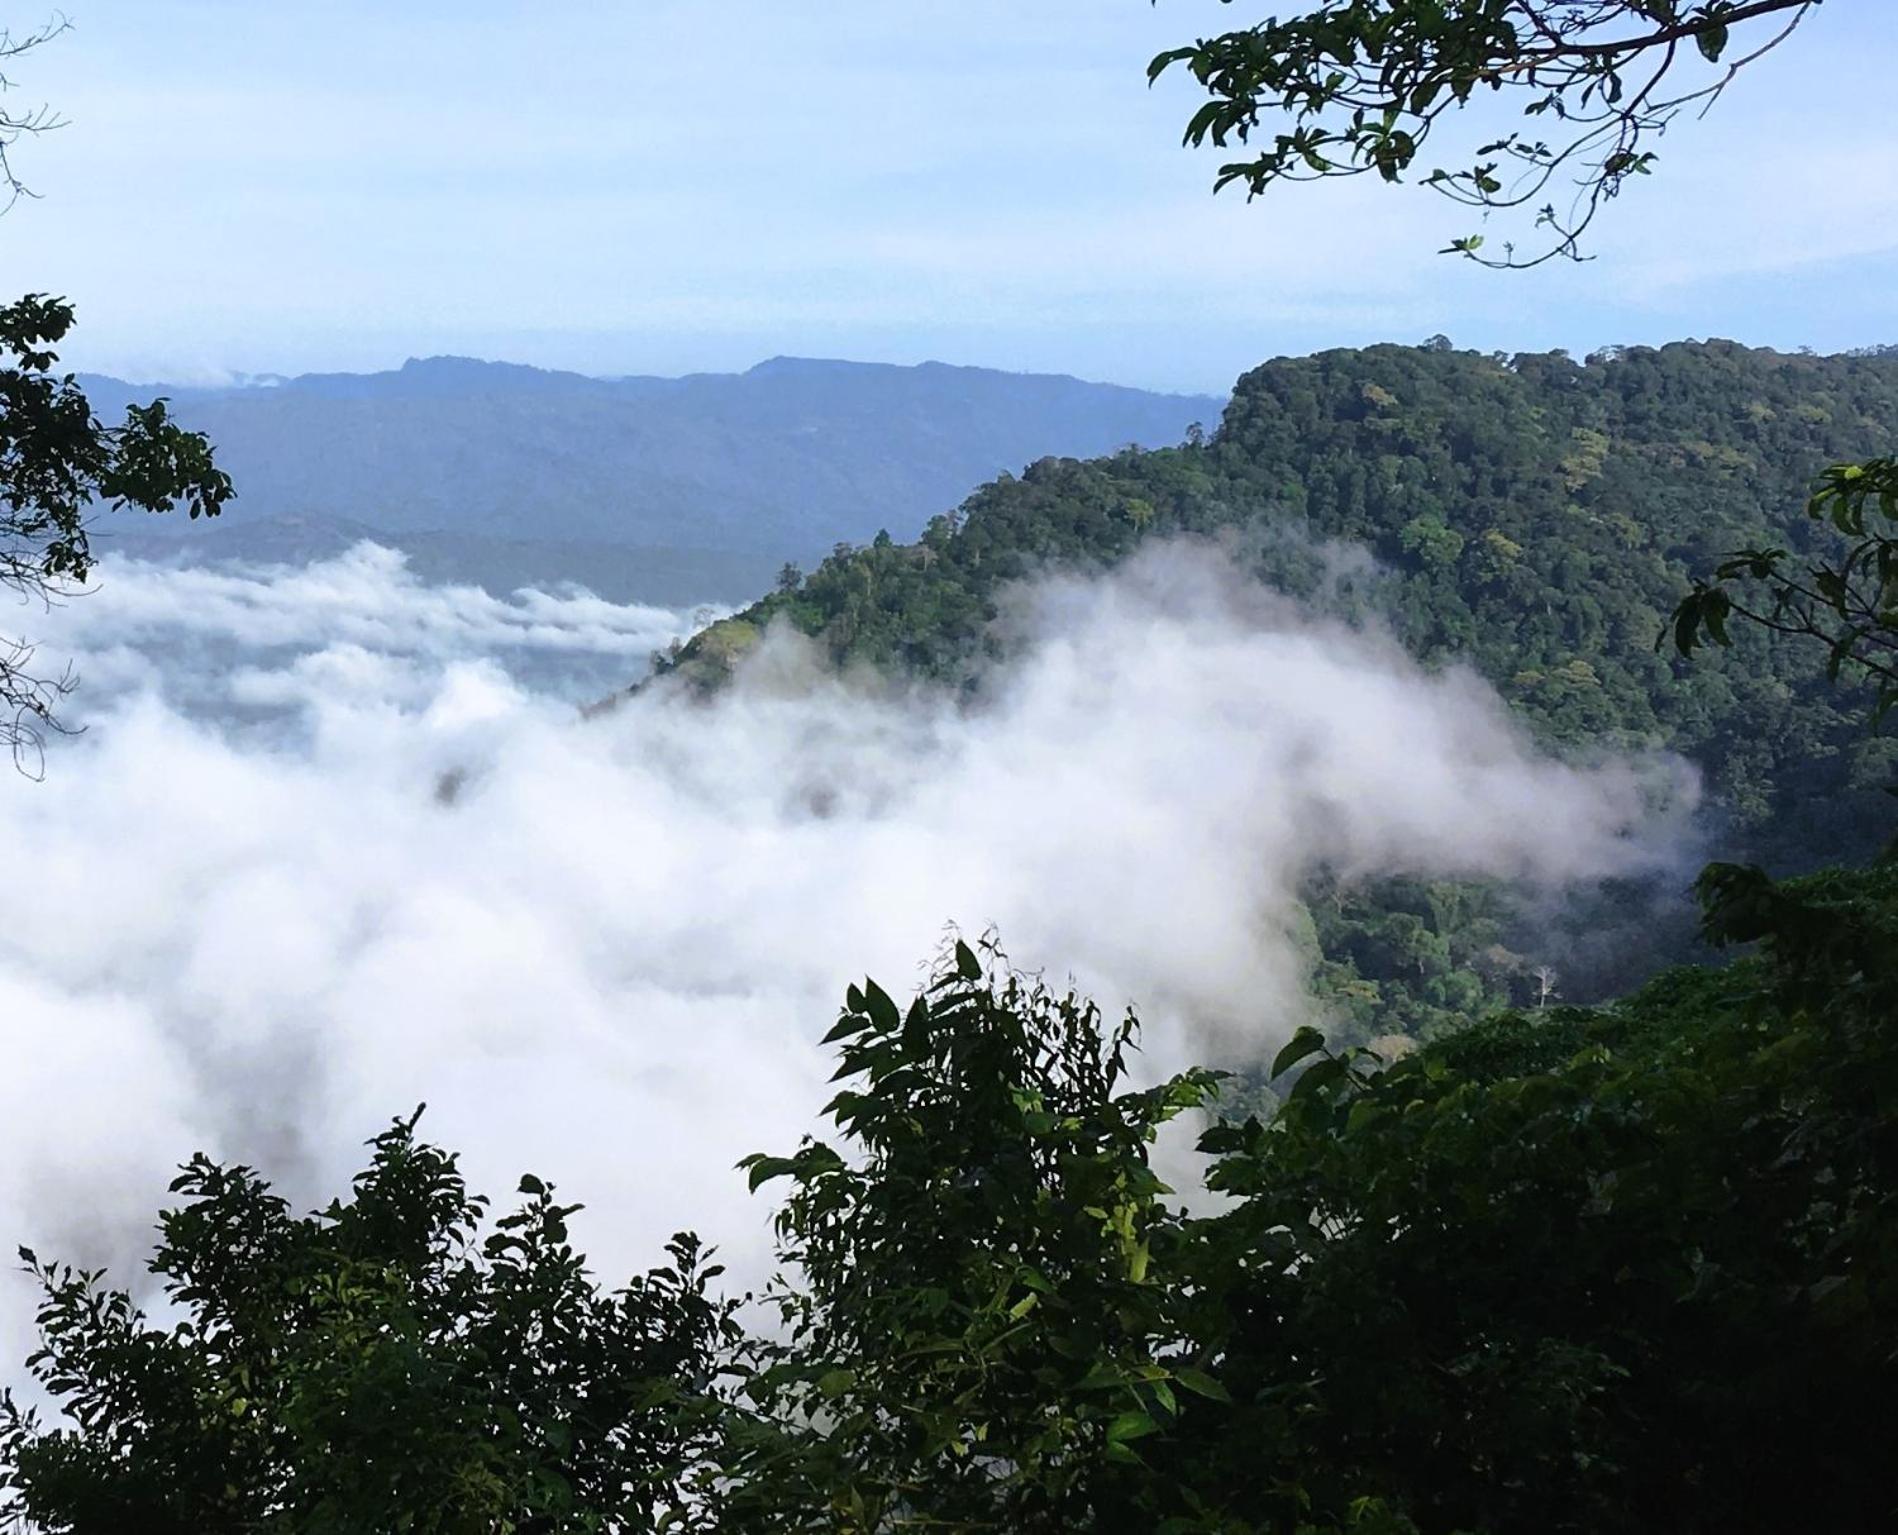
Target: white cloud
{"points": [[364, 597], [609, 952], [356, 625]]}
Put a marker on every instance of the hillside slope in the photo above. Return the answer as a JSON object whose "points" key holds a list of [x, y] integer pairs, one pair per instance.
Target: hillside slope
{"points": [[1534, 517]]}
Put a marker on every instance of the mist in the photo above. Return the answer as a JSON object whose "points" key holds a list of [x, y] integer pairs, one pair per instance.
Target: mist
{"points": [[334, 842]]}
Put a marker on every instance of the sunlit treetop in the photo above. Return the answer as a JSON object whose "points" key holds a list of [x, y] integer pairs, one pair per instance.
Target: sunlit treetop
{"points": [[1356, 86]]}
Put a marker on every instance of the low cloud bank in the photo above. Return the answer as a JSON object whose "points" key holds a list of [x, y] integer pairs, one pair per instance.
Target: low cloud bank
{"points": [[210, 640], [605, 949]]}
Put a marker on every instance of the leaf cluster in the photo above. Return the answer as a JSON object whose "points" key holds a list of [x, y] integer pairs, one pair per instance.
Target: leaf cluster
{"points": [[58, 463], [1361, 86], [379, 1365], [1849, 602], [973, 1334]]}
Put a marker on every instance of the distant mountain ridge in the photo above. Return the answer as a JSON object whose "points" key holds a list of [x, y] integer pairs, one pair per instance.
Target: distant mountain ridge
{"points": [[719, 477]]}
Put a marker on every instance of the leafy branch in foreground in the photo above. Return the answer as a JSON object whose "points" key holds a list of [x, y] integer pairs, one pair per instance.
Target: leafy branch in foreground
{"points": [[976, 1332], [380, 1365], [1850, 604], [57, 462], [1365, 84]]}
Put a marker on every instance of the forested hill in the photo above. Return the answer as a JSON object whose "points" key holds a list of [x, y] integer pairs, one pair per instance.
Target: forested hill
{"points": [[663, 489], [1535, 516]]}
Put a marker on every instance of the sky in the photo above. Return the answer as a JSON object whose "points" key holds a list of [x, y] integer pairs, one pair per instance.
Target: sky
{"points": [[665, 186]]}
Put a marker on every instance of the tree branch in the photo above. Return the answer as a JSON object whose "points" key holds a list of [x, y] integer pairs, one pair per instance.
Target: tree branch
{"points": [[1677, 32]]}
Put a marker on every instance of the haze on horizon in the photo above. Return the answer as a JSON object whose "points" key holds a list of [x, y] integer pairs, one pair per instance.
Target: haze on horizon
{"points": [[638, 189]]}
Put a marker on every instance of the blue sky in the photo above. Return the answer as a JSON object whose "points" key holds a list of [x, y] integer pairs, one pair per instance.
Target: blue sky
{"points": [[668, 185]]}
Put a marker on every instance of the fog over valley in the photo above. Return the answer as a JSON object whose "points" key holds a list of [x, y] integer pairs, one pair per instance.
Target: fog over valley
{"points": [[359, 850]]}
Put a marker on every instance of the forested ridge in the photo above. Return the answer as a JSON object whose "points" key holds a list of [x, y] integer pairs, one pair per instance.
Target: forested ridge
{"points": [[1534, 517], [1540, 517]]}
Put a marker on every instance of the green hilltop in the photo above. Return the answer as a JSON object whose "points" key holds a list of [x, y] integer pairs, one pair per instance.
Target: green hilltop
{"points": [[1534, 517]]}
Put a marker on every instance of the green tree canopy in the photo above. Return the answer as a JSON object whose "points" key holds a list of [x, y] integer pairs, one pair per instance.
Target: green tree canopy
{"points": [[57, 462], [393, 1362], [972, 1330]]}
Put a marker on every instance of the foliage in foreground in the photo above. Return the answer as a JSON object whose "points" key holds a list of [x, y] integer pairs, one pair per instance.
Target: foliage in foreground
{"points": [[58, 461], [371, 1367], [1850, 603], [1355, 87], [1627, 1269]]}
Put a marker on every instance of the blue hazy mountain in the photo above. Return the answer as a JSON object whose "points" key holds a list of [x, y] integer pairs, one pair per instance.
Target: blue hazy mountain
{"points": [[659, 488]]}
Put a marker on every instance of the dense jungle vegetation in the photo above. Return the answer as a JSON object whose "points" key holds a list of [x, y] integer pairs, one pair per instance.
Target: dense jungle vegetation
{"points": [[1539, 519], [1535, 517]]}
